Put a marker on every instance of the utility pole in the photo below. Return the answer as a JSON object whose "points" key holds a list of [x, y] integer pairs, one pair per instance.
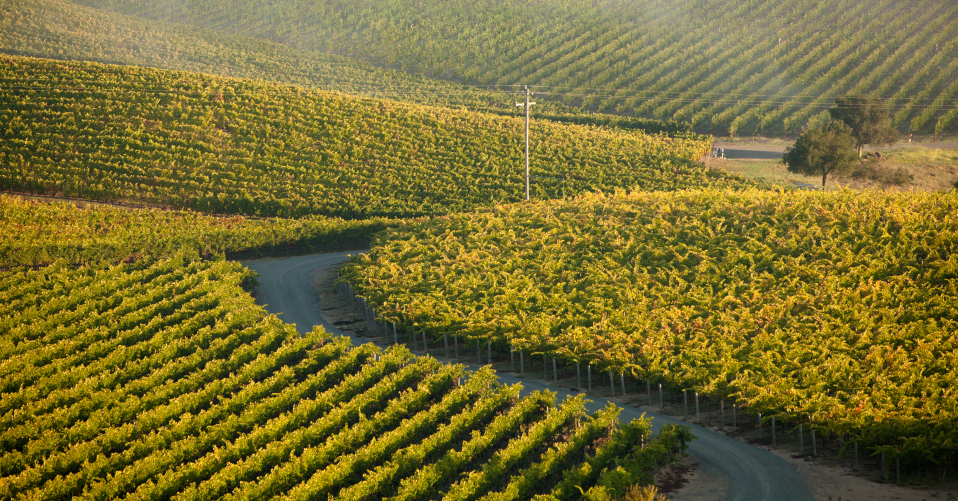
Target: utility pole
{"points": [[527, 104]]}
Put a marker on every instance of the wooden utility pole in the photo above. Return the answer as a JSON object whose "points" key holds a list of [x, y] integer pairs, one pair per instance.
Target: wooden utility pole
{"points": [[527, 104]]}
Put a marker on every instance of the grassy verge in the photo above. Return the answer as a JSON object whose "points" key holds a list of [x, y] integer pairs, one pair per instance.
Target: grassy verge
{"points": [[933, 169]]}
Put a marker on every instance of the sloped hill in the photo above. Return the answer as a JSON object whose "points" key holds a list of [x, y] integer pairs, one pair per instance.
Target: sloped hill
{"points": [[162, 379], [214, 144], [760, 66], [60, 29], [832, 310], [101, 233]]}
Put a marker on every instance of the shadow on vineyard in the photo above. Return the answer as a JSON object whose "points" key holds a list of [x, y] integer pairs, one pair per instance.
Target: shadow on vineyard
{"points": [[240, 147], [102, 233]]}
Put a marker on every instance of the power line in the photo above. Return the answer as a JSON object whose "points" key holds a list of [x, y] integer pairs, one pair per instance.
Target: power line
{"points": [[718, 99], [471, 89]]}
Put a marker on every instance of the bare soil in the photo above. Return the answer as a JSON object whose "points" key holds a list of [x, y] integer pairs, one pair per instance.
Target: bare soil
{"points": [[676, 476], [829, 474], [933, 165]]}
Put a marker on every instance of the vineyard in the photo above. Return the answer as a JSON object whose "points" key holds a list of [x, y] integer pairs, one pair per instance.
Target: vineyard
{"points": [[36, 234], [135, 363], [835, 310], [161, 379], [737, 68], [186, 140], [60, 29]]}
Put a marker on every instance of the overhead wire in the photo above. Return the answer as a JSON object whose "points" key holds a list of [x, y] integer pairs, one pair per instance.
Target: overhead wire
{"points": [[371, 90]]}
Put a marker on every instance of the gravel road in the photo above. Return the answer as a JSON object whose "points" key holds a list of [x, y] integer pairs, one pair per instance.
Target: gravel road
{"points": [[774, 152], [728, 469]]}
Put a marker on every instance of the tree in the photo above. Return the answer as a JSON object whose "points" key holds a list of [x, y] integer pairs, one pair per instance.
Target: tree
{"points": [[822, 150], [868, 118]]}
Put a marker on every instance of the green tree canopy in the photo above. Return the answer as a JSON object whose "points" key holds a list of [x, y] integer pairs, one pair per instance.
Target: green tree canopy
{"points": [[868, 118], [822, 150]]}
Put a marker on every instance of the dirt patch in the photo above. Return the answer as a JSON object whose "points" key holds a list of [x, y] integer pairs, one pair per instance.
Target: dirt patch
{"points": [[673, 477], [681, 481], [827, 480], [339, 310], [929, 167], [829, 475]]}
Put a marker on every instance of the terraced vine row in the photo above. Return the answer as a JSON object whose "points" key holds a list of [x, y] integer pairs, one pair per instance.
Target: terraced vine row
{"points": [[835, 310], [233, 146], [161, 379], [729, 67]]}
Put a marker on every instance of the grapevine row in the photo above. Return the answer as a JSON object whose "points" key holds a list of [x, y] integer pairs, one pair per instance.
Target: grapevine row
{"points": [[230, 146], [816, 308], [103, 233], [601, 48], [207, 396]]}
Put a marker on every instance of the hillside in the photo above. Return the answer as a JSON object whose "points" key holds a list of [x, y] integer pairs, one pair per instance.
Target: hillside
{"points": [[162, 379], [60, 29], [213, 144], [728, 67], [834, 310], [112, 234]]}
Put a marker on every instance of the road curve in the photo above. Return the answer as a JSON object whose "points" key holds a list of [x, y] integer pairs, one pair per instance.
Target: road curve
{"points": [[728, 469]]}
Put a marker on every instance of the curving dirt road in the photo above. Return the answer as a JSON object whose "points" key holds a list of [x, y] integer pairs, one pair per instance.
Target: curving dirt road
{"points": [[734, 151], [728, 468]]}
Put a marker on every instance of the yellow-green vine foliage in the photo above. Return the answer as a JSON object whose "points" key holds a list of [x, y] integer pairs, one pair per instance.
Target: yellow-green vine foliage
{"points": [[223, 145], [728, 67], [61, 29], [163, 379], [836, 309], [36, 233]]}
